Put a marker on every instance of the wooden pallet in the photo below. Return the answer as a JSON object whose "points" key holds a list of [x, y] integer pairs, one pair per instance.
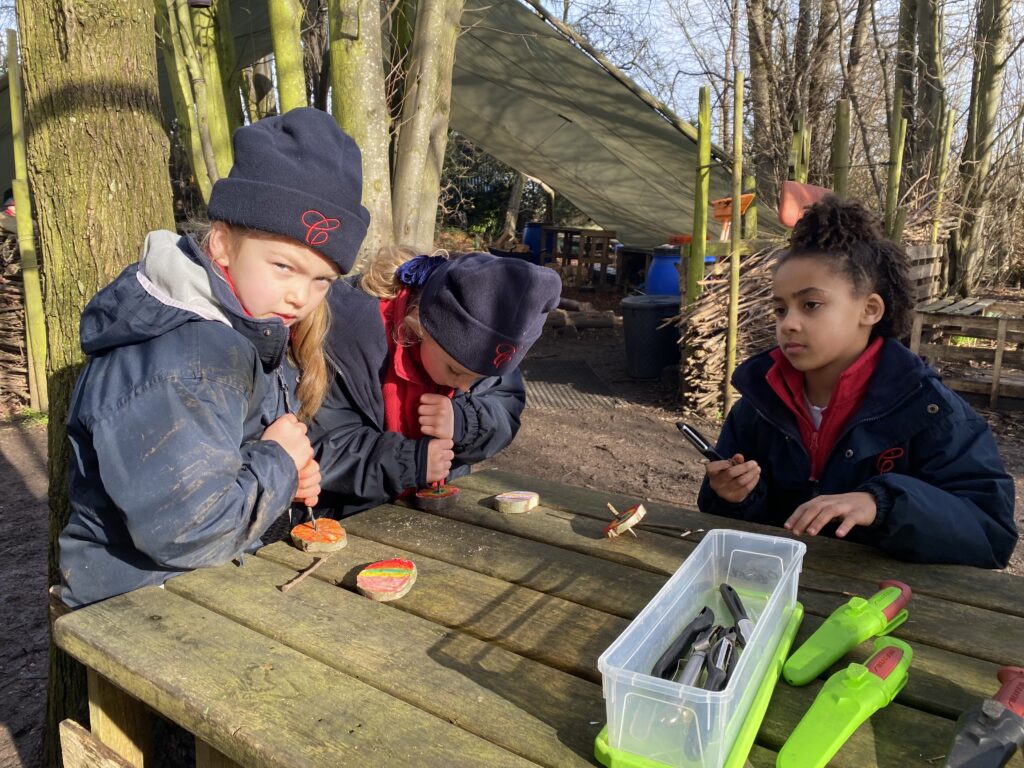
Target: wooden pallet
{"points": [[939, 321]]}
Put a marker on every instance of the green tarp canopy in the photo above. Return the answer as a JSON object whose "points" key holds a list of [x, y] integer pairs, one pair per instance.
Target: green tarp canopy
{"points": [[528, 96]]}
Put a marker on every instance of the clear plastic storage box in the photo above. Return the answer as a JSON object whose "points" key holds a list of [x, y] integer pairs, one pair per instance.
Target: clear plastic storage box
{"points": [[684, 726]]}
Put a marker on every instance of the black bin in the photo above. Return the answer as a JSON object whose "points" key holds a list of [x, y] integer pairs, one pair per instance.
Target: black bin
{"points": [[649, 350]]}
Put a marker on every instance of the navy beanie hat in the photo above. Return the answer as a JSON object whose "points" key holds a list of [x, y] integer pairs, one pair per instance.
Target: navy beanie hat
{"points": [[297, 175], [487, 311]]}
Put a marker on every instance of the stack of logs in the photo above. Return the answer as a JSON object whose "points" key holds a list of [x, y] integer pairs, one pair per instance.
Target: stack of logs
{"points": [[704, 328], [13, 354]]}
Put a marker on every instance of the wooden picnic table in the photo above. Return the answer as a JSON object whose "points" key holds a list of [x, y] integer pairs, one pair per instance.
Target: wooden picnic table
{"points": [[491, 659]]}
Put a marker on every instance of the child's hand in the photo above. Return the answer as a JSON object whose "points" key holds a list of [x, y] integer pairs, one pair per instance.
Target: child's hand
{"points": [[309, 484], [439, 459], [857, 508], [734, 479], [290, 434], [437, 416]]}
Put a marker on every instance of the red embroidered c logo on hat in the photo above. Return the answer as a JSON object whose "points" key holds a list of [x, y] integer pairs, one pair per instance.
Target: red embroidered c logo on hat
{"points": [[317, 226], [887, 460], [503, 353]]}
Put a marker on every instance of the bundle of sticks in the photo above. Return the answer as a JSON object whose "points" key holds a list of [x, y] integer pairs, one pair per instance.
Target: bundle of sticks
{"points": [[704, 329], [13, 355]]}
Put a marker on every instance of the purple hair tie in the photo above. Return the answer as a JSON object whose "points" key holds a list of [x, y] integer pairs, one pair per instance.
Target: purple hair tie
{"points": [[416, 270]]}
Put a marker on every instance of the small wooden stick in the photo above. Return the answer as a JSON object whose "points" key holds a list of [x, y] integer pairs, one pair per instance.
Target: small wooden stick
{"points": [[614, 511], [305, 572]]}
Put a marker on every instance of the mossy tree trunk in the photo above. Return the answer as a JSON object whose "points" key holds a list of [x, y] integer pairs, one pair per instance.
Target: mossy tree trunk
{"points": [[97, 164], [360, 107]]}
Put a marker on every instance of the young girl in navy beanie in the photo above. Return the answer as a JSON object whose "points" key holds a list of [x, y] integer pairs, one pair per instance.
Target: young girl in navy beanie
{"points": [[187, 424], [425, 351], [841, 430]]}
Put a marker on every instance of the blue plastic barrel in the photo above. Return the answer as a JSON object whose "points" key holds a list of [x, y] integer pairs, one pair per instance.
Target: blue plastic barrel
{"points": [[531, 237], [648, 349], [663, 276]]}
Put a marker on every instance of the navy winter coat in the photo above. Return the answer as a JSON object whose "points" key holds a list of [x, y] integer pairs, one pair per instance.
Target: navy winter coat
{"points": [[361, 463], [167, 472], [930, 461]]}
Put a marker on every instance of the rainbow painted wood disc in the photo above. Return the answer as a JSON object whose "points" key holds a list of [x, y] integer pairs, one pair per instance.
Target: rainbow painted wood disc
{"points": [[625, 521], [387, 579]]}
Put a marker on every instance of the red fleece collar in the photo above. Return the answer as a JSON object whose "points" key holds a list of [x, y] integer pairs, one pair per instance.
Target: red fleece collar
{"points": [[851, 387]]}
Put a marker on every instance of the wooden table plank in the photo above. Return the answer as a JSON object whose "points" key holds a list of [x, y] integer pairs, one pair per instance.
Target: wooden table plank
{"points": [[918, 731], [540, 713], [591, 581], [982, 633], [509, 558], [541, 627], [252, 698], [970, 586]]}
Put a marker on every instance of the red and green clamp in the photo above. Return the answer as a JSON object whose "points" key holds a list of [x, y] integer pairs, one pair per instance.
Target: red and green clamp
{"points": [[847, 699], [988, 735], [848, 626]]}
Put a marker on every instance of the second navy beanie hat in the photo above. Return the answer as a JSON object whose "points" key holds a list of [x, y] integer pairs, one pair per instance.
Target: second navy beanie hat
{"points": [[487, 311]]}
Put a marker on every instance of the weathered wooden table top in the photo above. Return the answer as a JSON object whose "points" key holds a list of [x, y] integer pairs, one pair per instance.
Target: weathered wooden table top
{"points": [[491, 659]]}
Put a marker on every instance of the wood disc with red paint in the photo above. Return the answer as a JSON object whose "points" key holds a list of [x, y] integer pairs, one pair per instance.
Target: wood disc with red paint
{"points": [[328, 536], [387, 579], [433, 499], [625, 521]]}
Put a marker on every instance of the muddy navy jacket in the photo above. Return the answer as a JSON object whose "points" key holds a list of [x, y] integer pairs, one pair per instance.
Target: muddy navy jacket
{"points": [[930, 461], [361, 463], [167, 472]]}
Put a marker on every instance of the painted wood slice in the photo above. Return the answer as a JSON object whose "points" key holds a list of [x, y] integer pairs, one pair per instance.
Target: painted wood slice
{"points": [[328, 536], [387, 579], [625, 521], [432, 499], [516, 502]]}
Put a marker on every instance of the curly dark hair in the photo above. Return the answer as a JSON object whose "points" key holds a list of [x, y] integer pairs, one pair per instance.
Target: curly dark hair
{"points": [[850, 237]]}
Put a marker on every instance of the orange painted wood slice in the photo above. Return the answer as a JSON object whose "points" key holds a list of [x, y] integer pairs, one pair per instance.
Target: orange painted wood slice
{"points": [[387, 579], [625, 521], [328, 536]]}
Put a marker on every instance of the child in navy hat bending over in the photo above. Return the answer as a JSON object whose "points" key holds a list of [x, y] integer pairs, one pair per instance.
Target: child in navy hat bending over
{"points": [[187, 424], [425, 351], [841, 430]]}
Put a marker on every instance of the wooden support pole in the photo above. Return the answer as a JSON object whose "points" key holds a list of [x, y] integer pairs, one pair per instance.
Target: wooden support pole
{"points": [[940, 182], [35, 319], [841, 150], [750, 217], [799, 149], [698, 246], [120, 721], [892, 189], [735, 235]]}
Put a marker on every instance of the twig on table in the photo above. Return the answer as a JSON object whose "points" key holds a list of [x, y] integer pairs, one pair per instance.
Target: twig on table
{"points": [[305, 572]]}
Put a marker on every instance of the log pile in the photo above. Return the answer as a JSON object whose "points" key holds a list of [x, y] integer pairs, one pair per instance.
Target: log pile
{"points": [[703, 330], [14, 392]]}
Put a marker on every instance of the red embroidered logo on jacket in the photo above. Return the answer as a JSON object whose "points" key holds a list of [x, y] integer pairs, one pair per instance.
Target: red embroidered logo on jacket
{"points": [[317, 227], [887, 460], [503, 353]]}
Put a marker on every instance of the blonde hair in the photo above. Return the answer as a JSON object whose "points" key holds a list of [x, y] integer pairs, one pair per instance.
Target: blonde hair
{"points": [[378, 279], [306, 343]]}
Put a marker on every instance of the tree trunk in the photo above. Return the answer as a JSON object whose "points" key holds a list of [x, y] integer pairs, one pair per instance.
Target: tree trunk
{"points": [[205, 28], [425, 108], [986, 93], [760, 100], [286, 32], [931, 91], [359, 106], [906, 60], [515, 199], [851, 86], [230, 74], [97, 163]]}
